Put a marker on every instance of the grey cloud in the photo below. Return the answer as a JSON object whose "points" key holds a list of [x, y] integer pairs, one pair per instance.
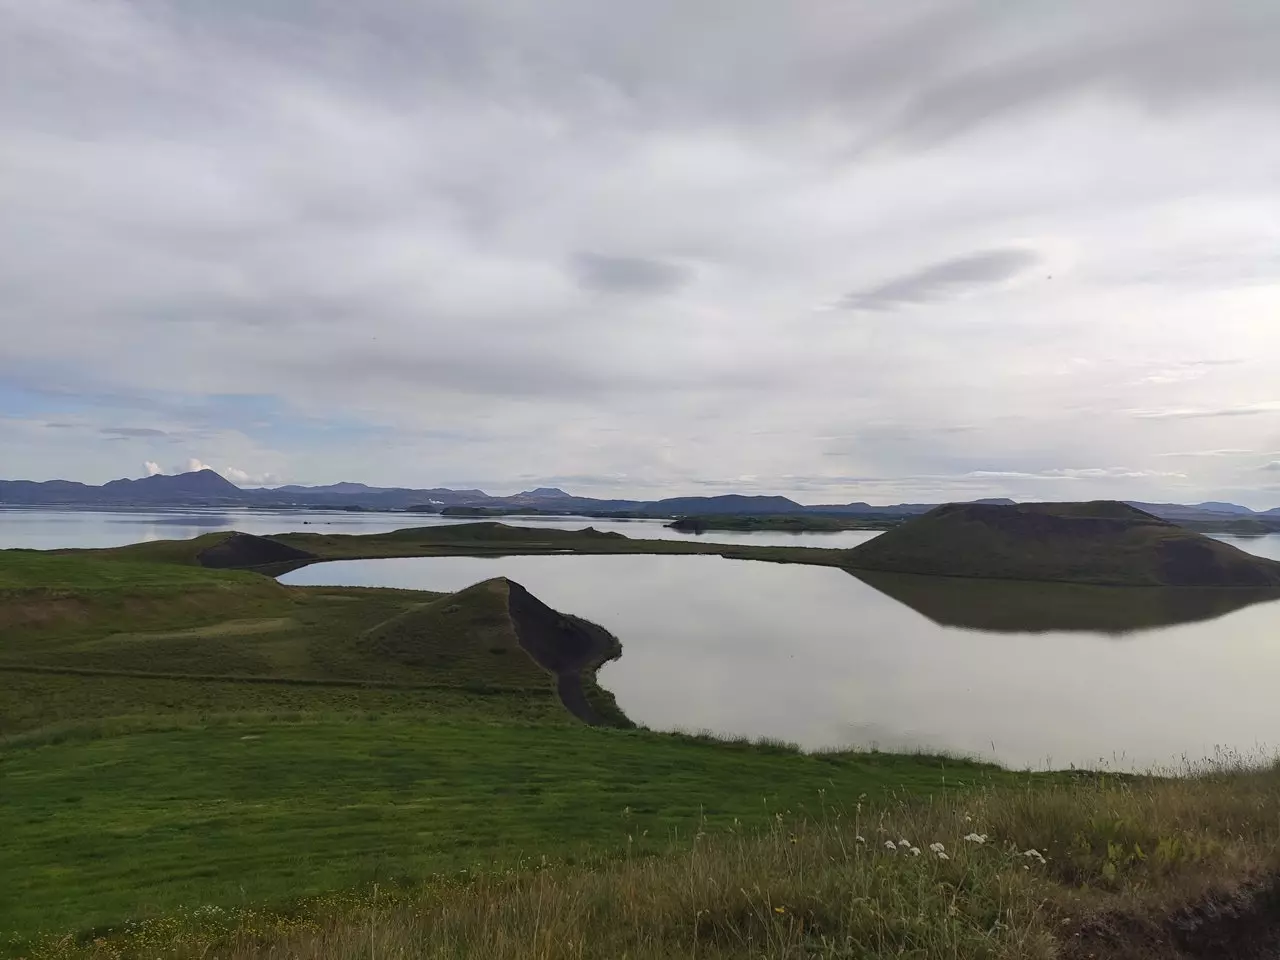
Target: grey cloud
{"points": [[634, 275], [979, 477], [519, 370], [126, 433], [944, 279], [1072, 473], [1194, 413], [1162, 55], [1273, 466], [1224, 452], [947, 67]]}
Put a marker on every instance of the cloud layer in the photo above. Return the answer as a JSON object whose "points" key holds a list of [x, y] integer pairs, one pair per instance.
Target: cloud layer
{"points": [[846, 251], [947, 278]]}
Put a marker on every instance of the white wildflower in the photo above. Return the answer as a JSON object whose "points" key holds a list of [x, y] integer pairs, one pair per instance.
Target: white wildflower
{"points": [[937, 848], [914, 851], [904, 843], [942, 855], [976, 837], [860, 839], [890, 845], [1033, 854]]}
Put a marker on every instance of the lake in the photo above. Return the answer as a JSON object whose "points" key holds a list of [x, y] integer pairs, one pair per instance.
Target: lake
{"points": [[1031, 675], [37, 529]]}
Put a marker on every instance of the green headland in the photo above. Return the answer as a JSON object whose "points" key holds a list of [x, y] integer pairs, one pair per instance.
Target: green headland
{"points": [[787, 523]]}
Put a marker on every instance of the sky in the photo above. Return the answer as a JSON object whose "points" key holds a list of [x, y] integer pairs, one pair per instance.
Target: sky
{"points": [[906, 251]]}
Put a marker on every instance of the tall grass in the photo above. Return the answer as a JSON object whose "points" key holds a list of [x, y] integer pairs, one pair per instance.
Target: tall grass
{"points": [[896, 879]]}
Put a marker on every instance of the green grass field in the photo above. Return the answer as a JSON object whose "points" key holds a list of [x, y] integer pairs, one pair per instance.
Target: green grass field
{"points": [[252, 811], [173, 737]]}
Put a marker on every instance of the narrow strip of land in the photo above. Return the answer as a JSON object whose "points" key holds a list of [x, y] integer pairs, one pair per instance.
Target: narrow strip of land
{"points": [[281, 553]]}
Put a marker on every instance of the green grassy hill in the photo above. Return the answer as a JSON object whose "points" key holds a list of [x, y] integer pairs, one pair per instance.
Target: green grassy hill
{"points": [[1102, 542], [789, 523]]}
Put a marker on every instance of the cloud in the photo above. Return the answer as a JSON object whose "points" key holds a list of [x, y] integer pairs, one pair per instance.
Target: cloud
{"points": [[1193, 413], [1273, 466], [943, 280], [243, 478], [193, 465], [132, 432], [1072, 473], [629, 275], [152, 468], [1171, 61], [1224, 452]]}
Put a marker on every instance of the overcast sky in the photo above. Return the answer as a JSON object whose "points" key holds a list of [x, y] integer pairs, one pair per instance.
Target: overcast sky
{"points": [[836, 250]]}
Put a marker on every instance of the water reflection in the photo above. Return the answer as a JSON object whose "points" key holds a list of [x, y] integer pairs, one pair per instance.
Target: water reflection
{"points": [[1005, 606], [216, 521], [814, 655]]}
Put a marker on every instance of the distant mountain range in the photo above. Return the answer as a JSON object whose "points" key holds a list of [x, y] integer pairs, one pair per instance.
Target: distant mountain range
{"points": [[208, 489]]}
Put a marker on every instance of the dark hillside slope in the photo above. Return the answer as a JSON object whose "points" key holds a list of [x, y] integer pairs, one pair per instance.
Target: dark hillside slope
{"points": [[245, 551], [222, 550], [498, 630], [1103, 542]]}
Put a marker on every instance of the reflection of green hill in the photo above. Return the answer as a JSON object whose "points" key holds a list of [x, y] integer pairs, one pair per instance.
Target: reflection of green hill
{"points": [[1008, 606]]}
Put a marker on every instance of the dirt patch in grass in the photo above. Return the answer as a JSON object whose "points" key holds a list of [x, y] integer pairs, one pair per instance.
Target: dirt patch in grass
{"points": [[42, 611], [1242, 923]]}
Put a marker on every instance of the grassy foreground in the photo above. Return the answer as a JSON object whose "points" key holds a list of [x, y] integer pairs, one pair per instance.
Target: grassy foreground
{"points": [[1094, 867], [233, 810], [174, 738]]}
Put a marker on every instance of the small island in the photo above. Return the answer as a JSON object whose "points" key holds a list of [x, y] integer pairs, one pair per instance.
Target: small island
{"points": [[786, 523], [1101, 542]]}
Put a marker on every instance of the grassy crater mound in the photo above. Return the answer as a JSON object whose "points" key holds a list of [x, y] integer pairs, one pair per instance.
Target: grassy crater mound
{"points": [[1101, 542]]}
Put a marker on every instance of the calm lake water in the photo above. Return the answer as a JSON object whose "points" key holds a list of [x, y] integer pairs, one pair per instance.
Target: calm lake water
{"points": [[1030, 675], [54, 529]]}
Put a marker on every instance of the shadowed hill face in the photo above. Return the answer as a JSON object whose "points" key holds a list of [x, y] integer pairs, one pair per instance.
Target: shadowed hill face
{"points": [[1102, 542], [244, 550], [498, 630]]}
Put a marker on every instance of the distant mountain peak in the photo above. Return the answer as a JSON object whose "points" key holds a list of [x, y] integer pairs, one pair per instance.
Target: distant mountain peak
{"points": [[545, 493], [196, 481]]}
